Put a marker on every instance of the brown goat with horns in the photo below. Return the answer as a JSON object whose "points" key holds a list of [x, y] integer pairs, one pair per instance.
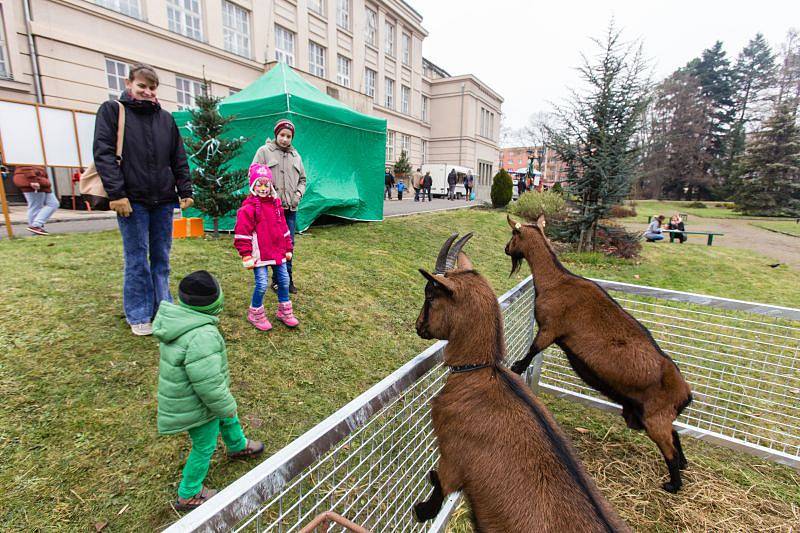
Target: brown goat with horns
{"points": [[497, 442], [608, 348]]}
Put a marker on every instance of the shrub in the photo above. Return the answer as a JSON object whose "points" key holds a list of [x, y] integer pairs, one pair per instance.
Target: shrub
{"points": [[697, 205], [502, 189], [622, 211], [534, 203], [618, 242]]}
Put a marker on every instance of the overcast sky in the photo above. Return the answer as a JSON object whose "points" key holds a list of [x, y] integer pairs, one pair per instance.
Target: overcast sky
{"points": [[528, 50]]}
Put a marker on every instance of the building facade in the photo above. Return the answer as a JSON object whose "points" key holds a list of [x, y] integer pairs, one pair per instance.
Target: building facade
{"points": [[366, 53], [552, 168]]}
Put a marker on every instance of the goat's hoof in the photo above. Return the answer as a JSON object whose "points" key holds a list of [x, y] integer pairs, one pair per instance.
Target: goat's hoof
{"points": [[671, 487], [519, 367]]}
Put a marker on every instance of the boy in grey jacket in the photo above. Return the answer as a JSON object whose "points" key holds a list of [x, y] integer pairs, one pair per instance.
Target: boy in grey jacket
{"points": [[289, 178]]}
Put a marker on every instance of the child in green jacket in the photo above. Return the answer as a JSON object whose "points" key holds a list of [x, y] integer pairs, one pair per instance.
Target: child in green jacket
{"points": [[193, 383]]}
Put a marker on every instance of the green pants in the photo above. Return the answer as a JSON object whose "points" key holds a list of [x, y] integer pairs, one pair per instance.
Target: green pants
{"points": [[204, 442]]}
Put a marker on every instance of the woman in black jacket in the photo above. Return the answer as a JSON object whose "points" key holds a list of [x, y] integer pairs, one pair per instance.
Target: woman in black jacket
{"points": [[143, 189]]}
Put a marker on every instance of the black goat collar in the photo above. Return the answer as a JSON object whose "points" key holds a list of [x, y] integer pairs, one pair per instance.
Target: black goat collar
{"points": [[468, 368]]}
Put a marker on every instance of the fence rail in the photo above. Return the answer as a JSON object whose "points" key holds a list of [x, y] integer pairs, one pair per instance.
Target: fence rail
{"points": [[368, 461]]}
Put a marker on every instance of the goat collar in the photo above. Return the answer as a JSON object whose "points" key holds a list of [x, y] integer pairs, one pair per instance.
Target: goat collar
{"points": [[468, 368]]}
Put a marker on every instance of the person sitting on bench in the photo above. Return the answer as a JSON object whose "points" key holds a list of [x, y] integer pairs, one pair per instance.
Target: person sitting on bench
{"points": [[653, 233], [676, 223]]}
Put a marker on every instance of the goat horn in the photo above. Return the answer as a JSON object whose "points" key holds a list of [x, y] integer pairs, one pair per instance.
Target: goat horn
{"points": [[441, 260], [452, 255]]}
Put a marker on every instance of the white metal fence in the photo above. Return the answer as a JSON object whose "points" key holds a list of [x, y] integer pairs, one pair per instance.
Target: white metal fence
{"points": [[368, 461]]}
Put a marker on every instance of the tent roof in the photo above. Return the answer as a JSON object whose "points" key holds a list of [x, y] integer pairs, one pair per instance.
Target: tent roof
{"points": [[282, 90]]}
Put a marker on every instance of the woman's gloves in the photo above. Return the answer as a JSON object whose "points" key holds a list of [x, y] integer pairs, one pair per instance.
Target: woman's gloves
{"points": [[248, 262], [122, 207]]}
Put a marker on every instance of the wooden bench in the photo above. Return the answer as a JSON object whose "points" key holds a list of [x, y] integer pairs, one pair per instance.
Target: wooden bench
{"points": [[710, 234]]}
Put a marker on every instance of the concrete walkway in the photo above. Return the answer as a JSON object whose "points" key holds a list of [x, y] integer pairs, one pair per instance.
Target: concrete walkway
{"points": [[740, 234], [62, 221], [407, 206]]}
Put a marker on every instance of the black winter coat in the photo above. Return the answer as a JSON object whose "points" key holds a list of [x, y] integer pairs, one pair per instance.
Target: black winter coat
{"points": [[154, 162], [452, 178]]}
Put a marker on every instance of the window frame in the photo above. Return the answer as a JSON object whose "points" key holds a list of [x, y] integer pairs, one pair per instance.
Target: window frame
{"points": [[390, 139], [406, 49], [316, 69], [288, 37], [321, 11], [5, 57], [405, 143], [367, 85], [196, 88], [405, 99], [388, 99], [184, 14], [241, 38], [116, 5], [341, 78], [343, 14], [371, 26], [425, 149], [116, 75], [425, 106], [389, 40]]}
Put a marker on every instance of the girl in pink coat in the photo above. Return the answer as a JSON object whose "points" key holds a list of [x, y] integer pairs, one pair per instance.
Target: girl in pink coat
{"points": [[262, 239]]}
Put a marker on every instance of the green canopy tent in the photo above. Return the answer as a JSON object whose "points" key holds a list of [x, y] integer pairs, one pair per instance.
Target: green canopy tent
{"points": [[343, 150]]}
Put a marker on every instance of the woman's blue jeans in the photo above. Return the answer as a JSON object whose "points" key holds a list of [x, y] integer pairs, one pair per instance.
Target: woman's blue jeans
{"points": [[280, 274], [146, 243]]}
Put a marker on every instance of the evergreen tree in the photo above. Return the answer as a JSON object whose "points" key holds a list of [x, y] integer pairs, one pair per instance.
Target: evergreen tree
{"points": [[217, 187], [771, 167], [402, 167], [502, 189], [596, 136], [754, 75], [715, 76]]}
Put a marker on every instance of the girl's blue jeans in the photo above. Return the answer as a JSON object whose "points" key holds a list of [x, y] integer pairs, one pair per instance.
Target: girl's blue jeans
{"points": [[280, 274]]}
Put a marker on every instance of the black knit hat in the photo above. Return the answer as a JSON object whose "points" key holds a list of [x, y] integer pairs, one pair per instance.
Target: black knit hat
{"points": [[199, 289]]}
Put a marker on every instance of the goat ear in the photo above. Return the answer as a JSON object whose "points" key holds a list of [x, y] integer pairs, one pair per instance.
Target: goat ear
{"points": [[512, 223], [464, 262], [540, 221], [439, 282]]}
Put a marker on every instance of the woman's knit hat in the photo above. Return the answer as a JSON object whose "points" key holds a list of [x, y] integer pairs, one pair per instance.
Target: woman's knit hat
{"points": [[283, 124], [201, 291], [260, 172]]}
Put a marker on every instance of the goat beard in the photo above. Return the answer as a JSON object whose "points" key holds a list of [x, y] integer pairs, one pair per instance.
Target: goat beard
{"points": [[516, 262]]}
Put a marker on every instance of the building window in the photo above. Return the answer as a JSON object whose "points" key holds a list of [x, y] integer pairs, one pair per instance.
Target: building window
{"points": [[343, 71], [389, 48], [236, 29], [487, 123], [406, 49], [405, 99], [484, 173], [317, 6], [126, 7], [116, 74], [343, 14], [371, 28], [284, 45], [405, 143], [369, 82], [187, 89], [389, 101], [5, 71], [184, 17], [425, 108], [424, 151], [316, 59], [389, 145]]}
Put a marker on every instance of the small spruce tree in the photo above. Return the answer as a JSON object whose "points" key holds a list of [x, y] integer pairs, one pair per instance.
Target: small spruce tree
{"points": [[217, 187], [402, 166], [502, 189]]}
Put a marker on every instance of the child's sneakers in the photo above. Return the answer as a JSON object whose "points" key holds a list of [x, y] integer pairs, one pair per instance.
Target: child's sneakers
{"points": [[258, 317], [286, 315]]}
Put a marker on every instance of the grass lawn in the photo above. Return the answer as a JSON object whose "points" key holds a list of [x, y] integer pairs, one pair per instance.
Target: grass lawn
{"points": [[788, 227], [648, 208], [78, 443]]}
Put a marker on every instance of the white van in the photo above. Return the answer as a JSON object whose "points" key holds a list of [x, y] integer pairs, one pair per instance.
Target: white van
{"points": [[439, 172]]}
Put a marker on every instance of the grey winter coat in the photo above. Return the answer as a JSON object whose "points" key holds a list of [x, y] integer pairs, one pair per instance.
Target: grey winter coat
{"points": [[288, 173]]}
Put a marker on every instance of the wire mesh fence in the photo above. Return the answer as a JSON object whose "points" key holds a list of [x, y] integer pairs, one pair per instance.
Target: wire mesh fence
{"points": [[368, 461]]}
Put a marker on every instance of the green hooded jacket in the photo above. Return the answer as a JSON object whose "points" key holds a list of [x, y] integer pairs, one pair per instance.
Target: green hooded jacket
{"points": [[193, 380]]}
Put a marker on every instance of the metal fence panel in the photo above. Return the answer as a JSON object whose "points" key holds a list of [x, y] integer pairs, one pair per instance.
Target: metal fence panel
{"points": [[368, 461]]}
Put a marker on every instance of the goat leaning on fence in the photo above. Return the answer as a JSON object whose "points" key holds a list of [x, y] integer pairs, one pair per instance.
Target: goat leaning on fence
{"points": [[608, 348], [497, 442]]}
